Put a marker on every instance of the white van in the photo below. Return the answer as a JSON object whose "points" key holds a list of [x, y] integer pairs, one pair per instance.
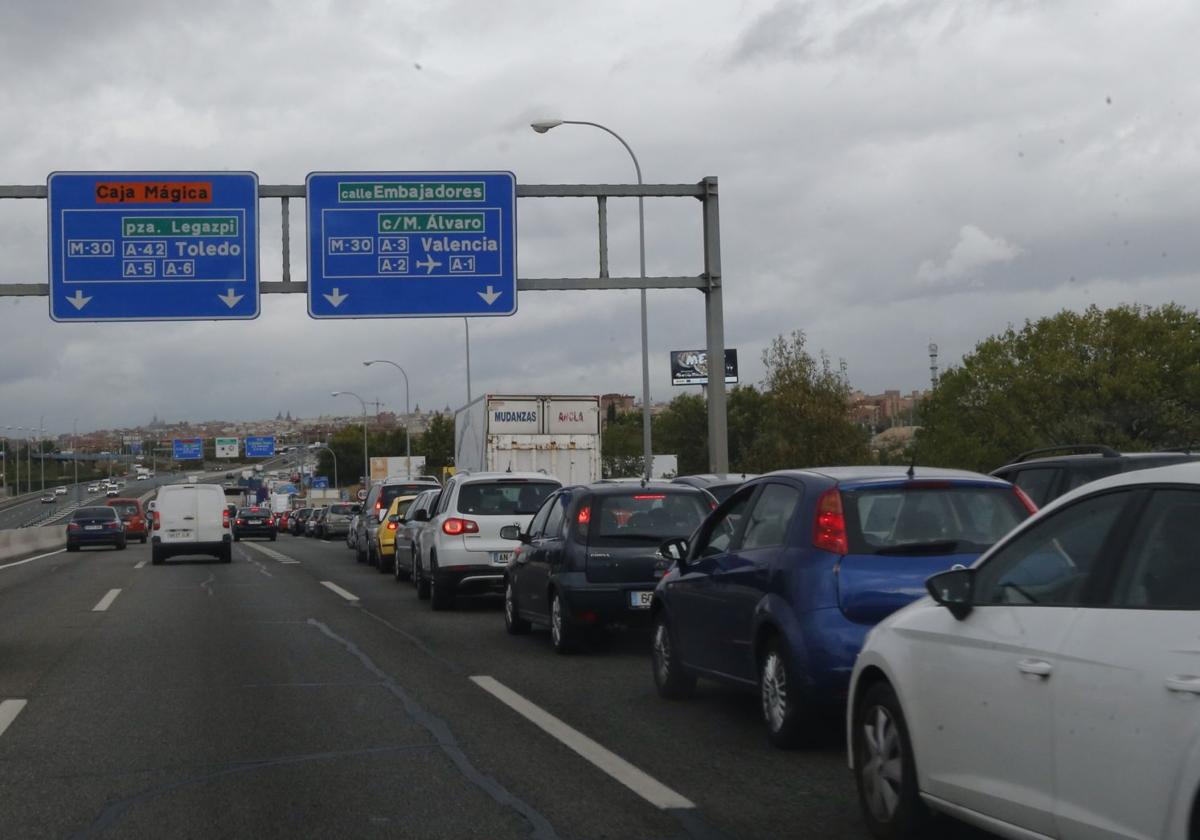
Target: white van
{"points": [[190, 519]]}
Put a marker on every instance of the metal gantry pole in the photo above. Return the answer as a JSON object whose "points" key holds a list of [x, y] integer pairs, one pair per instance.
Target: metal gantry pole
{"points": [[714, 320], [467, 328]]}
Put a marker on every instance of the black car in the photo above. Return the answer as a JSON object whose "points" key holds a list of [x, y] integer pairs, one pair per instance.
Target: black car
{"points": [[95, 526], [254, 522], [721, 485], [590, 557], [296, 521], [1045, 474]]}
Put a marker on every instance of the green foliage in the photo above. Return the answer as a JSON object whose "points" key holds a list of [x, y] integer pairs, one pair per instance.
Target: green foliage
{"points": [[437, 444], [1127, 377], [682, 430], [621, 446]]}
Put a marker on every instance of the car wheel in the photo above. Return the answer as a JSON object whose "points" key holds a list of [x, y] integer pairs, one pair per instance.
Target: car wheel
{"points": [[673, 680], [226, 555], [400, 571], [884, 767], [236, 538], [562, 634], [156, 556], [382, 564], [143, 539], [441, 596], [72, 547], [513, 622], [782, 706], [360, 555], [272, 538], [421, 583], [121, 545]]}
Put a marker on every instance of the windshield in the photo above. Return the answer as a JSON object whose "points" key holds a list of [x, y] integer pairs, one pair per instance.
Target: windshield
{"points": [[645, 516], [506, 497], [95, 513], [389, 492], [125, 509], [942, 519]]}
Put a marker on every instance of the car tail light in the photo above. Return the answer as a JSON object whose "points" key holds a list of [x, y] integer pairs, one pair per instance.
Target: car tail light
{"points": [[455, 526], [1025, 500], [270, 520], [829, 532], [225, 519], [72, 526], [114, 525], [391, 526], [239, 522], [585, 516], [157, 521], [644, 497]]}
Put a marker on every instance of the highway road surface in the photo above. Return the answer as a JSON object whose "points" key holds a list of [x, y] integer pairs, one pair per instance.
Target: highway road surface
{"points": [[294, 693]]}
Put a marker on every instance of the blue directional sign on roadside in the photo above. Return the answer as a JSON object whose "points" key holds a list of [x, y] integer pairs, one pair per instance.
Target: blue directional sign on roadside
{"points": [[187, 449], [260, 447], [320, 482], [411, 244], [153, 246]]}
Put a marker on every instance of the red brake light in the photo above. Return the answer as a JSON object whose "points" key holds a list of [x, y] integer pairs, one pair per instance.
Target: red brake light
{"points": [[224, 518], [72, 526], [391, 526], [1025, 500], [585, 515], [270, 520], [157, 524], [645, 497], [829, 531], [240, 522], [455, 526]]}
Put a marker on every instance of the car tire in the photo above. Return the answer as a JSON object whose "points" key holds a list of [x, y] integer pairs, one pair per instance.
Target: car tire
{"points": [[562, 634], [156, 556], [381, 564], [400, 571], [671, 677], [72, 547], [441, 596], [226, 555], [360, 555], [143, 539], [784, 712], [421, 583], [237, 538], [513, 623], [891, 807], [272, 538], [121, 545]]}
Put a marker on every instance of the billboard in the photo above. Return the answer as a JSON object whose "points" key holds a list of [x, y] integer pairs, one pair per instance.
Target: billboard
{"points": [[226, 447], [187, 449], [690, 367]]}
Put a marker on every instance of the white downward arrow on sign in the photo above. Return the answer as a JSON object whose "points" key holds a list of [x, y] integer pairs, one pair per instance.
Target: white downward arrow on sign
{"points": [[231, 299], [78, 301], [490, 296], [335, 299]]}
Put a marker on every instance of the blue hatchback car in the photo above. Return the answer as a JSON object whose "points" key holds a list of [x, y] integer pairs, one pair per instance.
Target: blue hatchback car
{"points": [[780, 585]]}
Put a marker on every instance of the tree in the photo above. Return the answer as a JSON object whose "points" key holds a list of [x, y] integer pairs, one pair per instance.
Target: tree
{"points": [[746, 407], [682, 430], [1128, 377], [806, 421], [621, 446], [437, 444]]}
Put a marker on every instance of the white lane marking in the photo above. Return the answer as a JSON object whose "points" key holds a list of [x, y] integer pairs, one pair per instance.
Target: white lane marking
{"points": [[647, 787], [139, 564], [9, 709], [333, 587], [31, 559], [106, 601], [272, 553]]}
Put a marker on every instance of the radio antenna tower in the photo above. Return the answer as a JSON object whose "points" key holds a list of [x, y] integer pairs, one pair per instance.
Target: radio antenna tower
{"points": [[933, 365]]}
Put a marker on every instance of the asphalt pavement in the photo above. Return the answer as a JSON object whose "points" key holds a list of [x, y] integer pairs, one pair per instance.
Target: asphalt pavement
{"points": [[295, 693]]}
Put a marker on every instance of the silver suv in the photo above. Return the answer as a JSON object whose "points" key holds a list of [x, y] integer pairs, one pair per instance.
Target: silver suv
{"points": [[461, 550], [375, 508]]}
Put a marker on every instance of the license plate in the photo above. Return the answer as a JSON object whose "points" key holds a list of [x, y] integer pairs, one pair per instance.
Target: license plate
{"points": [[180, 533], [92, 527], [640, 600], [254, 522], [501, 558]]}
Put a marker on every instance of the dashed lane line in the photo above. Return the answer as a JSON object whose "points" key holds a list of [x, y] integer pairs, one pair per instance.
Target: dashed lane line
{"points": [[106, 601], [645, 786], [272, 553], [31, 559], [9, 709], [139, 564], [333, 587]]}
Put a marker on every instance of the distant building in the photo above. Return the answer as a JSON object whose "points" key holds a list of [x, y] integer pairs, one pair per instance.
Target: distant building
{"points": [[891, 408], [621, 403]]}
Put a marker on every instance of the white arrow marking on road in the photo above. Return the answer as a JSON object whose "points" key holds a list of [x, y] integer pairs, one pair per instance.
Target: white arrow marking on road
{"points": [[430, 264], [231, 300], [79, 301], [490, 296], [335, 298]]}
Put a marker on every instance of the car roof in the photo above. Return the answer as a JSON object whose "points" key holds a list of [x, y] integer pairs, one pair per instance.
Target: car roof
{"points": [[872, 474], [121, 499], [502, 476], [624, 489], [1088, 457], [714, 478], [1186, 473]]}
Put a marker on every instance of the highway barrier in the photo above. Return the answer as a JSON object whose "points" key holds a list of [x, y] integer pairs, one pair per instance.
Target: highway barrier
{"points": [[17, 542]]}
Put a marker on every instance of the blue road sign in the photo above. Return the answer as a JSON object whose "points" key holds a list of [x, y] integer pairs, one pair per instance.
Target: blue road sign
{"points": [[320, 482], [260, 447], [187, 449], [135, 448], [411, 244], [153, 246]]}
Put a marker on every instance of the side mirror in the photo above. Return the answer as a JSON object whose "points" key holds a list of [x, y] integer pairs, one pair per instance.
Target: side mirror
{"points": [[954, 590], [674, 550], [421, 516], [513, 532]]}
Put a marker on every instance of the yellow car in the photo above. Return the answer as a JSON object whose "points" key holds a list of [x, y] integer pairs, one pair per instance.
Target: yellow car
{"points": [[383, 554]]}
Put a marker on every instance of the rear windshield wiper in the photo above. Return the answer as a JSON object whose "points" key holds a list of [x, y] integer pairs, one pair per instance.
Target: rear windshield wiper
{"points": [[937, 547]]}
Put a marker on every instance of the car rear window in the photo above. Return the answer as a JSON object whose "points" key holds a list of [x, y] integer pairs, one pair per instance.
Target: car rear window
{"points": [[95, 513], [389, 492], [341, 510], [125, 509], [504, 497], [722, 491], [252, 511], [929, 518], [644, 516]]}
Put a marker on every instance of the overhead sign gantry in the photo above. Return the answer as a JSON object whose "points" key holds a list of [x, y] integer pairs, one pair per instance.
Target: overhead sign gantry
{"points": [[153, 246]]}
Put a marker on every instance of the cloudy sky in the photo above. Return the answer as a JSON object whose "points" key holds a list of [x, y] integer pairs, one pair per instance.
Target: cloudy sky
{"points": [[890, 173]]}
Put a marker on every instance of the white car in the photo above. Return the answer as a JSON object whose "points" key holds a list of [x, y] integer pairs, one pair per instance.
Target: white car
{"points": [[461, 549], [191, 519], [112, 491], [93, 488], [60, 491], [1053, 688]]}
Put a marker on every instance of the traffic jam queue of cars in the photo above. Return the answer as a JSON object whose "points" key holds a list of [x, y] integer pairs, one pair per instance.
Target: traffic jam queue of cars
{"points": [[912, 604]]}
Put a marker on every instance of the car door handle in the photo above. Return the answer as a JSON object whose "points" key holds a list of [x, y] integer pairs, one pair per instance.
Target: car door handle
{"points": [[1035, 667], [1185, 683]]}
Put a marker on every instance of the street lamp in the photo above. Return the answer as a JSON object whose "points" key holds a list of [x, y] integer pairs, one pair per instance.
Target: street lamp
{"points": [[366, 461], [541, 127], [333, 455], [407, 432]]}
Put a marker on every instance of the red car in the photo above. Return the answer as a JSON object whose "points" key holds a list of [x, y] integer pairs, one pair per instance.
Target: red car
{"points": [[131, 513], [281, 520]]}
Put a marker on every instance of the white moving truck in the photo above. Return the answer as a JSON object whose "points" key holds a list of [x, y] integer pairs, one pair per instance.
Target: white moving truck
{"points": [[557, 435]]}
